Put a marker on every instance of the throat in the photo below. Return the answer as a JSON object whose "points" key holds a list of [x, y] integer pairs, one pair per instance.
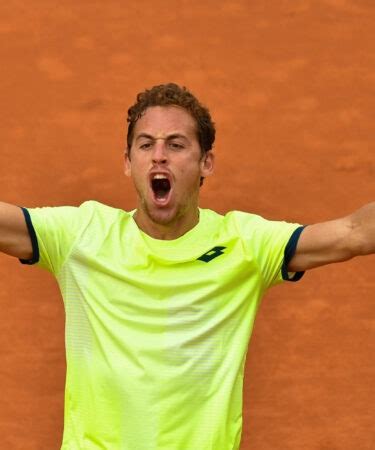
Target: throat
{"points": [[165, 226], [160, 193], [161, 187]]}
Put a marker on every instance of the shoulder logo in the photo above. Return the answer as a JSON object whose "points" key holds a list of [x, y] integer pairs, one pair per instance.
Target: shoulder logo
{"points": [[212, 254]]}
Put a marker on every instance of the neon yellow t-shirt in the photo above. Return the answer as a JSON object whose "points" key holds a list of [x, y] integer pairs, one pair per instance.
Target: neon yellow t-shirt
{"points": [[157, 331]]}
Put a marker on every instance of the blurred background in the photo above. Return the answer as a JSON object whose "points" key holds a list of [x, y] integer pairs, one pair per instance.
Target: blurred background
{"points": [[290, 86]]}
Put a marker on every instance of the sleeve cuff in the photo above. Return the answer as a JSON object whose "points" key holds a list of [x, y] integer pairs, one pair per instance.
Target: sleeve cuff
{"points": [[34, 240], [289, 252]]}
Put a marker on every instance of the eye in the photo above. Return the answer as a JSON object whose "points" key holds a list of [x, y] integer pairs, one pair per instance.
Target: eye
{"points": [[176, 146], [145, 146]]}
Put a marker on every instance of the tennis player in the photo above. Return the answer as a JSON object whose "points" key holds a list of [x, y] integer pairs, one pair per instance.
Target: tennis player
{"points": [[160, 301]]}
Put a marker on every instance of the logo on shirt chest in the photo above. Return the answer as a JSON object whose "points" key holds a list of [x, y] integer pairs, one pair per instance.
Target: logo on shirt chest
{"points": [[212, 254]]}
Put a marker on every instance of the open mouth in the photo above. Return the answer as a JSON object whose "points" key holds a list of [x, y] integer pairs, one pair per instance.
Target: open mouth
{"points": [[161, 187]]}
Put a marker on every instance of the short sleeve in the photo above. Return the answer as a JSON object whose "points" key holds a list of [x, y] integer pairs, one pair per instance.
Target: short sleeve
{"points": [[272, 244], [53, 232]]}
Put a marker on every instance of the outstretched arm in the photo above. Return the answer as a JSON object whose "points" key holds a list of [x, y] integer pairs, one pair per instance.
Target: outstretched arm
{"points": [[14, 236], [336, 240]]}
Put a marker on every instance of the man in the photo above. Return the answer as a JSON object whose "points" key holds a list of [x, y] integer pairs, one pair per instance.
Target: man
{"points": [[160, 301]]}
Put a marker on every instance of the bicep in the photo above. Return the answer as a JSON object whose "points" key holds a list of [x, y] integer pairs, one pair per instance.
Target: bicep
{"points": [[14, 235], [323, 243]]}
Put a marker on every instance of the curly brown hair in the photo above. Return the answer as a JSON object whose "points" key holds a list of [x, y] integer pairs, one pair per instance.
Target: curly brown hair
{"points": [[172, 94]]}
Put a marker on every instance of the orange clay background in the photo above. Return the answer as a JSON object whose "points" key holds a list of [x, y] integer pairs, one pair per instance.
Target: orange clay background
{"points": [[290, 85]]}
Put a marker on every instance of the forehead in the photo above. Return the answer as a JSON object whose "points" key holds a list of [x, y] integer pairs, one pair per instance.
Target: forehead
{"points": [[160, 121]]}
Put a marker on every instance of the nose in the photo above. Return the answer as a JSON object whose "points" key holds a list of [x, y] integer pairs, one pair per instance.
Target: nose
{"points": [[159, 152]]}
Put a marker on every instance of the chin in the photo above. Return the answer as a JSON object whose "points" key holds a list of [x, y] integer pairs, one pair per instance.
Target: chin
{"points": [[163, 217], [160, 216]]}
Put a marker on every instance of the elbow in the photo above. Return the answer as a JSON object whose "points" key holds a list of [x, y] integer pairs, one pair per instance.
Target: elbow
{"points": [[361, 247], [362, 234], [358, 244]]}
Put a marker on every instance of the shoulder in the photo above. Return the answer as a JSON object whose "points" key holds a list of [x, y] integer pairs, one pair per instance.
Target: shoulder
{"points": [[90, 214], [253, 227], [234, 222], [228, 216], [95, 208], [244, 222]]}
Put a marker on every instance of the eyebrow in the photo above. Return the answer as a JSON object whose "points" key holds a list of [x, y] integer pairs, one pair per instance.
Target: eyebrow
{"points": [[171, 136]]}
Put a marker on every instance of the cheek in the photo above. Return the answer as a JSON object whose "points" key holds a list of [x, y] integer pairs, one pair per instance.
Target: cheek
{"points": [[138, 177], [142, 178], [190, 178]]}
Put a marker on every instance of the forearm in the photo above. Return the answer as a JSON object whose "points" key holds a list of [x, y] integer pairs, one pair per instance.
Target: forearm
{"points": [[363, 230], [336, 240]]}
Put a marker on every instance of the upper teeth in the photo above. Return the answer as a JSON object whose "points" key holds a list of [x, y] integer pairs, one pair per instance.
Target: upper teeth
{"points": [[159, 176]]}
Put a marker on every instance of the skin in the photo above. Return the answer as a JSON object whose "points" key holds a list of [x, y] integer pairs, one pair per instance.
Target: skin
{"points": [[181, 157], [154, 148], [336, 240], [322, 243]]}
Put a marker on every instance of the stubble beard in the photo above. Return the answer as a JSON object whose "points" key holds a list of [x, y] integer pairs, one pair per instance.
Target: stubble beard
{"points": [[169, 216], [164, 216]]}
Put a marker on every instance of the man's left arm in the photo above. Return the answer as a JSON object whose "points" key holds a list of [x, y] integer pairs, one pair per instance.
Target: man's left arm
{"points": [[335, 241]]}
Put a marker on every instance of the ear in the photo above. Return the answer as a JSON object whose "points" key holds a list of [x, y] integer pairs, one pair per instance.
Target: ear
{"points": [[207, 164], [127, 164]]}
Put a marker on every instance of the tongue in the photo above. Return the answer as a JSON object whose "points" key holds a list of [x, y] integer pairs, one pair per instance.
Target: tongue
{"points": [[161, 188], [161, 194]]}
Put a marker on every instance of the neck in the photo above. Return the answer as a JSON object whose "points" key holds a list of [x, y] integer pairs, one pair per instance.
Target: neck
{"points": [[170, 230]]}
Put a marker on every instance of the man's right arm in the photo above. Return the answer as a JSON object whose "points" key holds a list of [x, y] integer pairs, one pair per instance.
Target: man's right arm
{"points": [[14, 235]]}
